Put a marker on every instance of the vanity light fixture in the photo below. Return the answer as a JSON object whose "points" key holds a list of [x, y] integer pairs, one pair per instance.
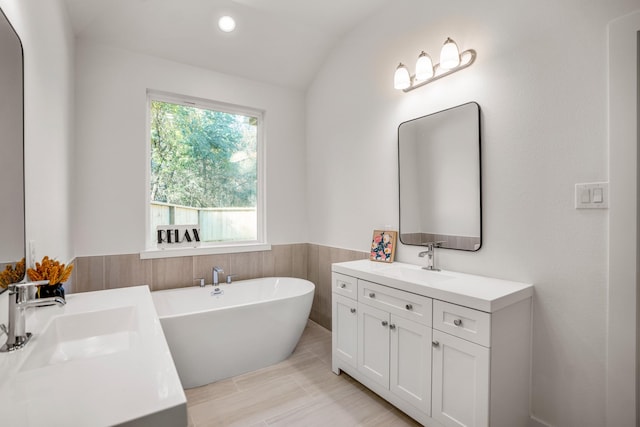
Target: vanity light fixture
{"points": [[451, 60]]}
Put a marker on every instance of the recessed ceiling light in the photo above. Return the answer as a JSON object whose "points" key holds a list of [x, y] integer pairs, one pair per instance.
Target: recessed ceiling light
{"points": [[227, 24]]}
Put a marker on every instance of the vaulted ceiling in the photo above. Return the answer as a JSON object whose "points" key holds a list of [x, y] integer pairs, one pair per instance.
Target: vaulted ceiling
{"points": [[282, 42]]}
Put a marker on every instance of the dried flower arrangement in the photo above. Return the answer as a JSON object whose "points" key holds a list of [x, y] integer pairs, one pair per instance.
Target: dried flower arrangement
{"points": [[12, 274], [50, 270]]}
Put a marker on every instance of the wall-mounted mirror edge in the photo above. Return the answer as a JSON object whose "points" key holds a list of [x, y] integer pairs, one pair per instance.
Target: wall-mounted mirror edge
{"points": [[12, 203]]}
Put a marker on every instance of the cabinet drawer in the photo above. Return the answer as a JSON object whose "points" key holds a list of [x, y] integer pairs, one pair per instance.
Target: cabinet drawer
{"points": [[344, 285], [463, 322], [404, 304]]}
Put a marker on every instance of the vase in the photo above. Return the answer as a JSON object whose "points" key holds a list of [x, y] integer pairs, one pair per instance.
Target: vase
{"points": [[48, 291]]}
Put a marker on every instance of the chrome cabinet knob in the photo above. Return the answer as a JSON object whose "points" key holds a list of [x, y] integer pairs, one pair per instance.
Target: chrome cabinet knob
{"points": [[435, 343], [409, 307], [342, 285], [353, 310], [385, 323], [372, 295], [392, 326], [457, 322]]}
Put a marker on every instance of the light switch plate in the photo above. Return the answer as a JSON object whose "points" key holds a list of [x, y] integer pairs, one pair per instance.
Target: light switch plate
{"points": [[593, 195]]}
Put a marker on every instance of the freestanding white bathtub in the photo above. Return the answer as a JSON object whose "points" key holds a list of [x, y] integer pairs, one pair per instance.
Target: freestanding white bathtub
{"points": [[250, 325]]}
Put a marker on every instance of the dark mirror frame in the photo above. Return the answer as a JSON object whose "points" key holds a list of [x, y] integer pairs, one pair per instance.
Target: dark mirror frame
{"points": [[4, 18], [446, 242]]}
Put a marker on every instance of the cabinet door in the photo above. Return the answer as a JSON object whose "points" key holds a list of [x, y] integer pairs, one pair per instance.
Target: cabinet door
{"points": [[410, 365], [373, 344], [460, 390], [345, 330]]}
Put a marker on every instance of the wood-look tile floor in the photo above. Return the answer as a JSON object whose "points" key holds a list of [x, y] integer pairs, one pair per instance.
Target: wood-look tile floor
{"points": [[300, 391]]}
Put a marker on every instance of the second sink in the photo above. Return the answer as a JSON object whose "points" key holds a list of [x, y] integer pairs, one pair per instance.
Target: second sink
{"points": [[83, 336]]}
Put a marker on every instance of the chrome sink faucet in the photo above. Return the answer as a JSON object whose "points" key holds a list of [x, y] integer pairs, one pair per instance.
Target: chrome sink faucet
{"points": [[430, 253], [216, 275], [19, 300]]}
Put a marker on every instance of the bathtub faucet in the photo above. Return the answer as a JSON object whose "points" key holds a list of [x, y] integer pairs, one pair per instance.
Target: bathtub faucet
{"points": [[216, 272]]}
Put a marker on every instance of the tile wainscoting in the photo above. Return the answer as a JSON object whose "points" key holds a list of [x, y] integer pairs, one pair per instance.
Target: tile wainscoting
{"points": [[303, 260]]}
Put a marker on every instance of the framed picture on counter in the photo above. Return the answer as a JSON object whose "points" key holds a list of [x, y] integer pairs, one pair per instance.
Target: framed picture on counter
{"points": [[383, 245]]}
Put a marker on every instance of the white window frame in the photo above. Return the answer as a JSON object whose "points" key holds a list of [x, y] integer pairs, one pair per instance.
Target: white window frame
{"points": [[206, 248]]}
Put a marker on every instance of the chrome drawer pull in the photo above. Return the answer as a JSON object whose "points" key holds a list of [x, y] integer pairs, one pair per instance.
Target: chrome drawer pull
{"points": [[457, 322], [385, 323], [392, 326], [435, 343], [372, 295], [342, 285], [353, 310], [409, 307]]}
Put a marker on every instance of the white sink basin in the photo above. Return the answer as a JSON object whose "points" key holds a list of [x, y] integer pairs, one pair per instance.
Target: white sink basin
{"points": [[417, 274], [85, 335]]}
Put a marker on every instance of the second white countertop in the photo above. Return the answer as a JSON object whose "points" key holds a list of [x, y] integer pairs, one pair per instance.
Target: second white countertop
{"points": [[115, 376]]}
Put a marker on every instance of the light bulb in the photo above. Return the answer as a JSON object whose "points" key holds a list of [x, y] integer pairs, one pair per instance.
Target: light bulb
{"points": [[227, 24], [401, 79], [424, 67], [450, 55]]}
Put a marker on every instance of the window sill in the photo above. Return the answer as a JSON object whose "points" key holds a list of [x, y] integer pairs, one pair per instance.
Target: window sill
{"points": [[204, 250]]}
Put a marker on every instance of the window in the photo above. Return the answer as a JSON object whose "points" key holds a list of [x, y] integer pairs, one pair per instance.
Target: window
{"points": [[205, 169]]}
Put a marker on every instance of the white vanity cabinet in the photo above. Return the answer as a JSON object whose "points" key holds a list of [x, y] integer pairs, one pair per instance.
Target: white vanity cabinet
{"points": [[394, 352], [394, 337], [385, 335], [448, 349]]}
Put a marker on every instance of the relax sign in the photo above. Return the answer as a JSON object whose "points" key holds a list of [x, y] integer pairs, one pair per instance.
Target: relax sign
{"points": [[172, 236]]}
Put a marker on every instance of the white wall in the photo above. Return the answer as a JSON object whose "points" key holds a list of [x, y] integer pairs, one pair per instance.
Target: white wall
{"points": [[48, 102], [112, 143], [541, 82]]}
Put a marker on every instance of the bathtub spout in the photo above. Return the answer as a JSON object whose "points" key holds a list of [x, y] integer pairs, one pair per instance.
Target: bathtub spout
{"points": [[215, 273]]}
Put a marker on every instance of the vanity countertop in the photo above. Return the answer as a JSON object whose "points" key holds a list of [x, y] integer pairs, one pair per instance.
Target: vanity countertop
{"points": [[100, 360], [477, 292]]}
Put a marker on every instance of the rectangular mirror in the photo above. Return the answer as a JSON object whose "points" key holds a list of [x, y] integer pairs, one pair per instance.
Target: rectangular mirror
{"points": [[439, 176]]}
